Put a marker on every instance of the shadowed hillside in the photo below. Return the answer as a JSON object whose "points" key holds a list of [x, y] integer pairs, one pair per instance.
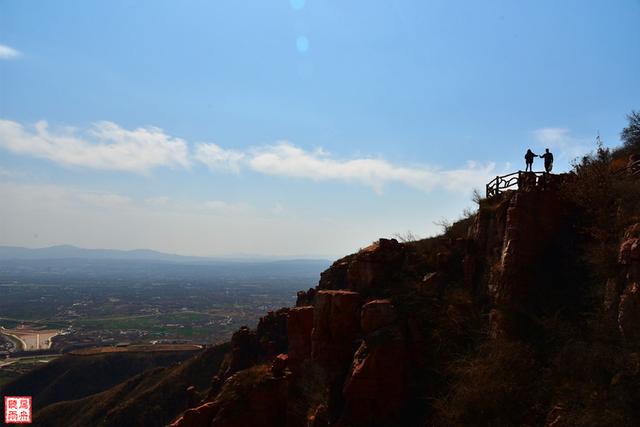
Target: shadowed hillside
{"points": [[73, 376], [151, 398]]}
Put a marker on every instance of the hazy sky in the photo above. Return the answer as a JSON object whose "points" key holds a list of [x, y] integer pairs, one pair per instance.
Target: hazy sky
{"points": [[291, 127]]}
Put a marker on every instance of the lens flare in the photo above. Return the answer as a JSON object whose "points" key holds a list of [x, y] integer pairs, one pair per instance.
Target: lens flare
{"points": [[297, 4], [302, 44]]}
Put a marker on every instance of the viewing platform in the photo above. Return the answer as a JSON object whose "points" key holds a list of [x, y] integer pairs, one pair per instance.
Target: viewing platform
{"points": [[515, 181], [543, 180]]}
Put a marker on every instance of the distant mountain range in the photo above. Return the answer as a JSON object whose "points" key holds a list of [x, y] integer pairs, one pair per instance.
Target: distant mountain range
{"points": [[74, 252], [67, 263]]}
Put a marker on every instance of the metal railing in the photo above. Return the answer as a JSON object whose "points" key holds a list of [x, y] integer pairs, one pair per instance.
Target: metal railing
{"points": [[520, 179], [514, 180]]}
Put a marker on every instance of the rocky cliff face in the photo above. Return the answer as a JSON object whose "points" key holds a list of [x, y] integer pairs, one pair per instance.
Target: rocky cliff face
{"points": [[522, 244], [626, 286]]}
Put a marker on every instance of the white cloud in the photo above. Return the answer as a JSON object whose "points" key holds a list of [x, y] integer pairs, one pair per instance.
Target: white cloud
{"points": [[7, 52], [561, 140], [5, 172], [108, 146], [105, 146], [285, 159], [217, 158]]}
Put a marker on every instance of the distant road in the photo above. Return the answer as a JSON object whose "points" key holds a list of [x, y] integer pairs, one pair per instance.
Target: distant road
{"points": [[19, 343]]}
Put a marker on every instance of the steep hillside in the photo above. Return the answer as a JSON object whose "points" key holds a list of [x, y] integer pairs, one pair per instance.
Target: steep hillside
{"points": [[150, 398], [75, 376]]}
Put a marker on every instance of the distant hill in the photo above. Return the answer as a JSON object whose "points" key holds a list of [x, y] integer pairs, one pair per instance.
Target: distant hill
{"points": [[72, 377], [68, 251], [74, 252], [151, 398], [18, 264]]}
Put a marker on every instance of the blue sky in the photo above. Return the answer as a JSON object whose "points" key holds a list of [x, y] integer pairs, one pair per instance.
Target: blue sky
{"points": [[290, 128]]}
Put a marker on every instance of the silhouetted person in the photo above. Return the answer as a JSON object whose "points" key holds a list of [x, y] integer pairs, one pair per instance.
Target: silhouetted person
{"points": [[528, 158], [548, 160]]}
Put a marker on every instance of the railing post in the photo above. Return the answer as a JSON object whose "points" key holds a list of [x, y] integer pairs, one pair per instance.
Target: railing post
{"points": [[519, 178]]}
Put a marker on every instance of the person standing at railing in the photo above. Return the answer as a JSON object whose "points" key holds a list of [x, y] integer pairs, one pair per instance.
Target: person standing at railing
{"points": [[548, 160], [528, 158]]}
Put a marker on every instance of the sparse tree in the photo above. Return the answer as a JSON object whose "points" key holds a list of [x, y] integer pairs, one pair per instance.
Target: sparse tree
{"points": [[631, 134]]}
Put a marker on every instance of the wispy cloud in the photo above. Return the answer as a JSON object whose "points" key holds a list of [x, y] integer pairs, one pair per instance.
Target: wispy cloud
{"points": [[217, 158], [108, 146], [285, 159], [104, 146], [7, 52]]}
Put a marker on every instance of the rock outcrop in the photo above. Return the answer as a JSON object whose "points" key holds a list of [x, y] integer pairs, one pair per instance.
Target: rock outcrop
{"points": [[372, 268], [629, 282], [376, 388], [244, 350], [272, 333], [511, 260], [336, 327], [335, 337], [299, 327], [252, 397]]}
